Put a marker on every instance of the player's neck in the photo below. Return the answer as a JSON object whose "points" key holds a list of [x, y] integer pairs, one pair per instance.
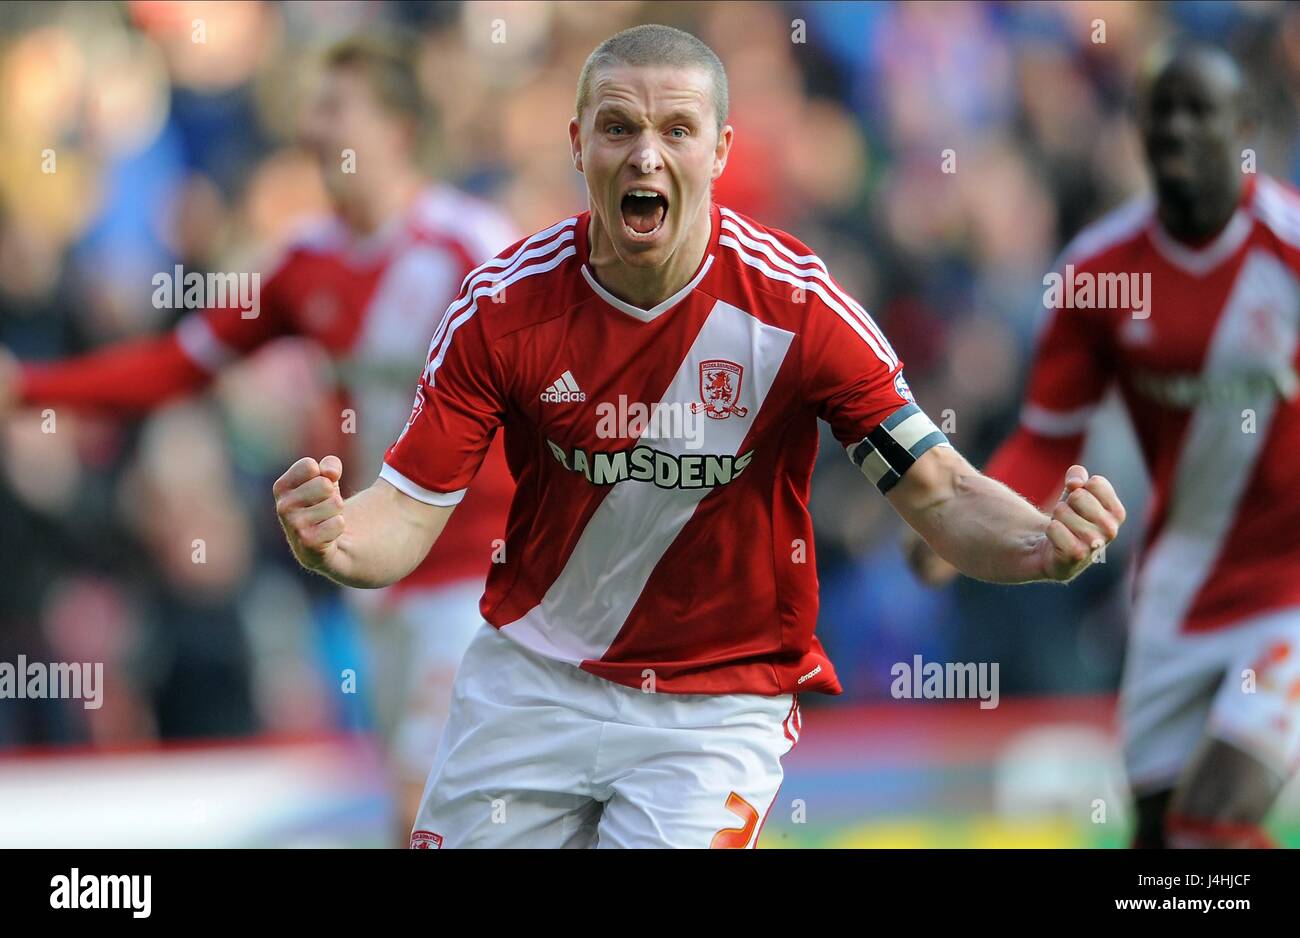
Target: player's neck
{"points": [[388, 199], [647, 287], [1200, 220]]}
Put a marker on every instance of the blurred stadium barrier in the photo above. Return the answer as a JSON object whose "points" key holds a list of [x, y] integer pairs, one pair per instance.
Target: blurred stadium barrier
{"points": [[325, 792], [1028, 773]]}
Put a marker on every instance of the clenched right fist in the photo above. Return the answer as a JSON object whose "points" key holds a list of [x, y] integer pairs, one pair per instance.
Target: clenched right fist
{"points": [[310, 507]]}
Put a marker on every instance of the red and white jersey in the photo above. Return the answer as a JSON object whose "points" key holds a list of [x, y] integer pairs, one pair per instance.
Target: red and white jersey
{"points": [[1207, 369], [659, 532], [372, 303]]}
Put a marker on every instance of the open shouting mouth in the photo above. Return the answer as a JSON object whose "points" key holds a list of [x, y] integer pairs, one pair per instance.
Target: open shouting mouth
{"points": [[643, 211]]}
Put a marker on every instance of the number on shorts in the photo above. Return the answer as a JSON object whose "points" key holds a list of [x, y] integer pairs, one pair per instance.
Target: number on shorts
{"points": [[737, 838]]}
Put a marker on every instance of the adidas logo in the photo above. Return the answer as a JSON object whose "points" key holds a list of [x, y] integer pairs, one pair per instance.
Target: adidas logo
{"points": [[564, 391]]}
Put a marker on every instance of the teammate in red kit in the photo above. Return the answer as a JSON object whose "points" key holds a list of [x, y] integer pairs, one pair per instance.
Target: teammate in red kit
{"points": [[1206, 365], [636, 681], [368, 284]]}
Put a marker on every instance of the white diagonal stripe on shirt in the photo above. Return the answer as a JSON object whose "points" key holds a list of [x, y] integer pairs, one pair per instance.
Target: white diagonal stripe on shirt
{"points": [[1217, 458], [634, 526]]}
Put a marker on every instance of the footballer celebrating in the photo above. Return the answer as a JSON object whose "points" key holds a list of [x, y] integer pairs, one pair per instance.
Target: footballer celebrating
{"points": [[1210, 695], [636, 681]]}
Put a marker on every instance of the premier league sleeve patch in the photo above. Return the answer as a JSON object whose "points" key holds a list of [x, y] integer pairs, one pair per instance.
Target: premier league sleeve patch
{"points": [[888, 451], [901, 386]]}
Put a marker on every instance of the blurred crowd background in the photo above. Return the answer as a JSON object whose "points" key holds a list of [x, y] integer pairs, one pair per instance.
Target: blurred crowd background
{"points": [[170, 151]]}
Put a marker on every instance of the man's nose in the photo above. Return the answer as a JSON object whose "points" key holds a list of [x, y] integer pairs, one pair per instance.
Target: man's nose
{"points": [[645, 156], [1179, 122]]}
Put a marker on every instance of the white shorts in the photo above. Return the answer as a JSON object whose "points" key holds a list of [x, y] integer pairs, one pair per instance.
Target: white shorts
{"points": [[539, 753], [419, 637], [1179, 689]]}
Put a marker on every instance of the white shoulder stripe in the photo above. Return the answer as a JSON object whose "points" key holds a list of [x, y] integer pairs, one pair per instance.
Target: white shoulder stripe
{"points": [[1279, 209], [784, 259], [486, 290], [813, 286], [485, 275], [1119, 225], [812, 260], [816, 262], [498, 263], [764, 236]]}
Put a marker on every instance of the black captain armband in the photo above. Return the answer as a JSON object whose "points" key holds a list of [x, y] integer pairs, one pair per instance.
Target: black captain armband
{"points": [[888, 451]]}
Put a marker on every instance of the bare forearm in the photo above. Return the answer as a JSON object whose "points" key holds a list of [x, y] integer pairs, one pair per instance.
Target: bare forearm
{"points": [[990, 533], [371, 540], [378, 547], [987, 531]]}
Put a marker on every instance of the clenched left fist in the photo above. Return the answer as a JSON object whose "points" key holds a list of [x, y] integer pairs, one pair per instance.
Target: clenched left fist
{"points": [[1084, 521]]}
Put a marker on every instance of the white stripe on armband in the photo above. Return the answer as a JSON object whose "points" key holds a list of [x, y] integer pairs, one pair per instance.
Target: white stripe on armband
{"points": [[886, 453]]}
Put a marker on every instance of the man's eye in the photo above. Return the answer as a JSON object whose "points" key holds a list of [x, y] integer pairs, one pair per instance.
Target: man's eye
{"points": [[615, 128], [678, 132]]}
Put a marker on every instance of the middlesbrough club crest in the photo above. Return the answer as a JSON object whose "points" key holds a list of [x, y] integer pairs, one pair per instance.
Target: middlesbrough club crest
{"points": [[426, 840], [720, 389]]}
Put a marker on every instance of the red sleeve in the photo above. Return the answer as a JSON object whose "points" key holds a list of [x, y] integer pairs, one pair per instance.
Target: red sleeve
{"points": [[1070, 373], [851, 373], [126, 378], [136, 376], [459, 404], [855, 380], [221, 334]]}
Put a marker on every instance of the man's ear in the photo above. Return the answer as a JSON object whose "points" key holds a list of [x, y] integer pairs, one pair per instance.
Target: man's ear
{"points": [[575, 142], [725, 138]]}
